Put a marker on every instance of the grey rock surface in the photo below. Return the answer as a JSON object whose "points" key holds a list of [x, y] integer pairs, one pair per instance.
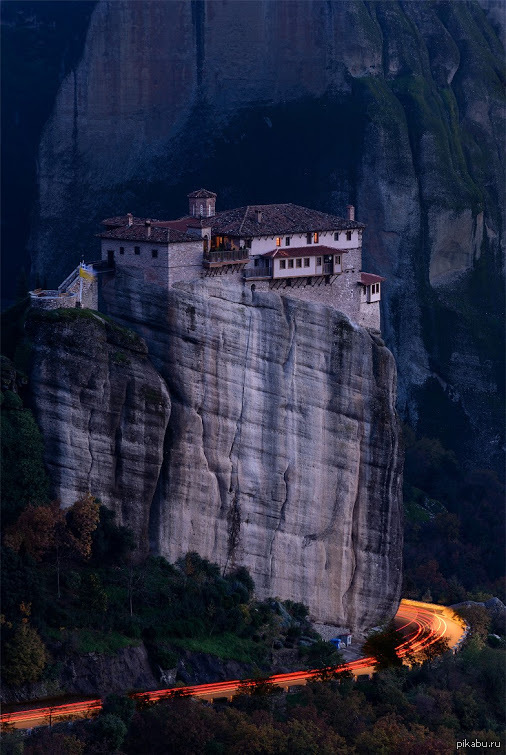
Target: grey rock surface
{"points": [[400, 107], [281, 451], [103, 410]]}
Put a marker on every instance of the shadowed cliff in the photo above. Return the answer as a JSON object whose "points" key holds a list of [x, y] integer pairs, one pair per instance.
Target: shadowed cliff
{"points": [[395, 106]]}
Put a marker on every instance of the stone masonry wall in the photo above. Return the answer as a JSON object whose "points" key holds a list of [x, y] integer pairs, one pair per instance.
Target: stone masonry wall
{"points": [[369, 316]]}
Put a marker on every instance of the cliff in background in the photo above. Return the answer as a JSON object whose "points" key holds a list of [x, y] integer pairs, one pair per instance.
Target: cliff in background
{"points": [[395, 106], [260, 430]]}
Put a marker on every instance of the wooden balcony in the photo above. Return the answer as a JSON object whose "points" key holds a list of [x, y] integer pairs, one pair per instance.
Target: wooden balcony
{"points": [[220, 257]]}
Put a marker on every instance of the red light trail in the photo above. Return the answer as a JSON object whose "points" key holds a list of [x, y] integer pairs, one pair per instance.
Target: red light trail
{"points": [[423, 625]]}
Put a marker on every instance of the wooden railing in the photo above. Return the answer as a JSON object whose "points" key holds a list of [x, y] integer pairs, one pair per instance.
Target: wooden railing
{"points": [[225, 257]]}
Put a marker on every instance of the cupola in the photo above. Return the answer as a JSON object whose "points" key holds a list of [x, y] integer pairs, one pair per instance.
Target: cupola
{"points": [[202, 203]]}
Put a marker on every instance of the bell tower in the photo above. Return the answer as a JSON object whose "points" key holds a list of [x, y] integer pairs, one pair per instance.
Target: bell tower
{"points": [[202, 203]]}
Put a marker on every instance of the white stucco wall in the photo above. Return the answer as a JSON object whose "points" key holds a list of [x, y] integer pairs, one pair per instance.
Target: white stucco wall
{"points": [[261, 244]]}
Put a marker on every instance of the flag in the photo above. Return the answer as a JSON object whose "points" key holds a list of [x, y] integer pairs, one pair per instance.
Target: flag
{"points": [[87, 272]]}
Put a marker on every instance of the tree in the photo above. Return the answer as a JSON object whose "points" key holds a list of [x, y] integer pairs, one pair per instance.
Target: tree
{"points": [[383, 647], [325, 659], [82, 521], [24, 656], [109, 731], [49, 531], [34, 531]]}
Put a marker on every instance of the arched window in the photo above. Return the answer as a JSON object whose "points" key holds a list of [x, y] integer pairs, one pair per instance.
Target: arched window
{"points": [[201, 209]]}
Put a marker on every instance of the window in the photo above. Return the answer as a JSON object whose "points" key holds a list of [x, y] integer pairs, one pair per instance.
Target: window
{"points": [[290, 263], [306, 261], [282, 264], [316, 237], [122, 250], [348, 235], [298, 262], [154, 253], [318, 261], [309, 238], [137, 250], [201, 209], [209, 211], [278, 240], [338, 259], [336, 236], [255, 262], [287, 241]]}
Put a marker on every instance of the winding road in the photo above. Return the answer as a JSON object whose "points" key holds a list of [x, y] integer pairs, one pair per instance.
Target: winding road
{"points": [[422, 624]]}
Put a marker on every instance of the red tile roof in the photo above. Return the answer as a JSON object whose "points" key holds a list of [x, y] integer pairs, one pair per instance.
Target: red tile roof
{"points": [[366, 279], [303, 251]]}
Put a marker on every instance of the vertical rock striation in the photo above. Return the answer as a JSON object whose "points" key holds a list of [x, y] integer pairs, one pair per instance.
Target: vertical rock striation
{"points": [[102, 409], [400, 108], [266, 436]]}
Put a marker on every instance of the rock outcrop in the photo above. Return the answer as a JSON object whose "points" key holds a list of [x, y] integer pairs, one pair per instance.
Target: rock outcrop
{"points": [[103, 411], [281, 451], [399, 106]]}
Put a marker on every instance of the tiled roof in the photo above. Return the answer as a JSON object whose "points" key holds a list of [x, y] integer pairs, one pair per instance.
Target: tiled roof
{"points": [[277, 219], [366, 279], [181, 224], [120, 220], [201, 193], [138, 232], [303, 251]]}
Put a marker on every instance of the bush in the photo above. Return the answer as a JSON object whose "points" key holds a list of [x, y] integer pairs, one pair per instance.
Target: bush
{"points": [[24, 656]]}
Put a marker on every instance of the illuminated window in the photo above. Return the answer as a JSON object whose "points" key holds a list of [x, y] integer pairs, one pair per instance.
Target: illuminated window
{"points": [[318, 261], [154, 253], [306, 261], [287, 241], [278, 241], [309, 238], [348, 235], [298, 262], [316, 237], [122, 250], [290, 263], [282, 264], [137, 250], [336, 236]]}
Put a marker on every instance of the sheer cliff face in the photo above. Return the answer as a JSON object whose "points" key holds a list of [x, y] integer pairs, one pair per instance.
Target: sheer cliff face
{"points": [[395, 106], [281, 451]]}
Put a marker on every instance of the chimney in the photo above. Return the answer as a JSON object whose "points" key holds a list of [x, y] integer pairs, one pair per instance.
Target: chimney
{"points": [[130, 218], [351, 212], [258, 214], [147, 223]]}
